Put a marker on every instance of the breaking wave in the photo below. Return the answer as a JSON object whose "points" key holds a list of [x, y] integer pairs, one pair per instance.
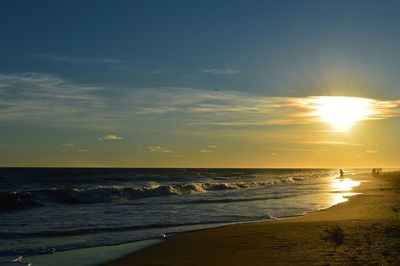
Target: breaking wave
{"points": [[18, 200]]}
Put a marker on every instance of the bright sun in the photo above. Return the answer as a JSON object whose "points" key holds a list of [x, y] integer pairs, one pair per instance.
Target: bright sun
{"points": [[341, 112]]}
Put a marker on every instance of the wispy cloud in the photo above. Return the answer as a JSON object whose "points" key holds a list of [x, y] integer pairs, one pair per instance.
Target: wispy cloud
{"points": [[33, 96], [53, 101], [371, 151], [138, 71], [68, 145], [221, 71], [206, 151], [76, 59], [110, 137], [72, 148], [154, 149], [330, 142], [298, 150]]}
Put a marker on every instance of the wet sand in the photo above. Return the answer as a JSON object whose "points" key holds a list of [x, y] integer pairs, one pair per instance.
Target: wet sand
{"points": [[363, 231]]}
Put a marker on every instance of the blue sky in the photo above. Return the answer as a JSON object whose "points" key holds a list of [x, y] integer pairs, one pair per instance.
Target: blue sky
{"points": [[151, 73]]}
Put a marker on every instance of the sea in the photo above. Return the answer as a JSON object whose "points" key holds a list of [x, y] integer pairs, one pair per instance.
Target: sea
{"points": [[51, 210]]}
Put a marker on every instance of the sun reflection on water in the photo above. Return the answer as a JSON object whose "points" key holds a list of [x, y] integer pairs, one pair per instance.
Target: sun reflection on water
{"points": [[345, 184], [341, 189]]}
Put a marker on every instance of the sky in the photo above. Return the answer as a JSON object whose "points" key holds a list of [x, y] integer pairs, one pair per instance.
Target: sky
{"points": [[198, 83]]}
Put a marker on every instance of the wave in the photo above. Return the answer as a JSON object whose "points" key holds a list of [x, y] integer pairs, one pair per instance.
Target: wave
{"points": [[231, 200], [12, 200], [164, 229], [86, 231]]}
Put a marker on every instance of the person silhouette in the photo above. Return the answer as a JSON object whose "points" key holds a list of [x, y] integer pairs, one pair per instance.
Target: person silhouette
{"points": [[341, 173]]}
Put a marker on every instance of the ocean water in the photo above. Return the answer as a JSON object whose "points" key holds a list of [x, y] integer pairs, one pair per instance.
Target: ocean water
{"points": [[45, 210]]}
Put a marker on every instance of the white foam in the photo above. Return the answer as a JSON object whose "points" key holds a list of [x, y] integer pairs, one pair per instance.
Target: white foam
{"points": [[90, 256]]}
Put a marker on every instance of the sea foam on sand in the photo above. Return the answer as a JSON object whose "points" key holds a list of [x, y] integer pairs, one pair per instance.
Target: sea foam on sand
{"points": [[90, 256]]}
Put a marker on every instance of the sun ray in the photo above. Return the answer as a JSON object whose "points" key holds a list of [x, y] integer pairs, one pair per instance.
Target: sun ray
{"points": [[341, 112]]}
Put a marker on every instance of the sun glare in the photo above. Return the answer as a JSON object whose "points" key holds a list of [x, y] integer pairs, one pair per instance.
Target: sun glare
{"points": [[341, 112], [346, 184]]}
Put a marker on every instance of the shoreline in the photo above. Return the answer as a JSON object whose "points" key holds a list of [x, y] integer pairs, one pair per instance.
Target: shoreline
{"points": [[223, 245]]}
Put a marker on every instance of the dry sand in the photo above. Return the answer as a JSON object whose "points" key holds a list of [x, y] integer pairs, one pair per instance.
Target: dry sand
{"points": [[363, 231]]}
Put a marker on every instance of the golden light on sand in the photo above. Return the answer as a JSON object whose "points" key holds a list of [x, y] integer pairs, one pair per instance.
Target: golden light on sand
{"points": [[342, 112]]}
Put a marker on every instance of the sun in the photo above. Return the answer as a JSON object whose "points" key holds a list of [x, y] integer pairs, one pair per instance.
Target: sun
{"points": [[341, 112]]}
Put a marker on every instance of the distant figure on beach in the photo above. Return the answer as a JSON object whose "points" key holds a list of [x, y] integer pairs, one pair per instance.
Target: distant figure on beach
{"points": [[341, 173], [376, 172]]}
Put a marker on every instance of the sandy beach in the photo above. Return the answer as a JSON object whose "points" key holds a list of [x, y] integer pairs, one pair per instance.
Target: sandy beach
{"points": [[362, 231], [199, 133]]}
